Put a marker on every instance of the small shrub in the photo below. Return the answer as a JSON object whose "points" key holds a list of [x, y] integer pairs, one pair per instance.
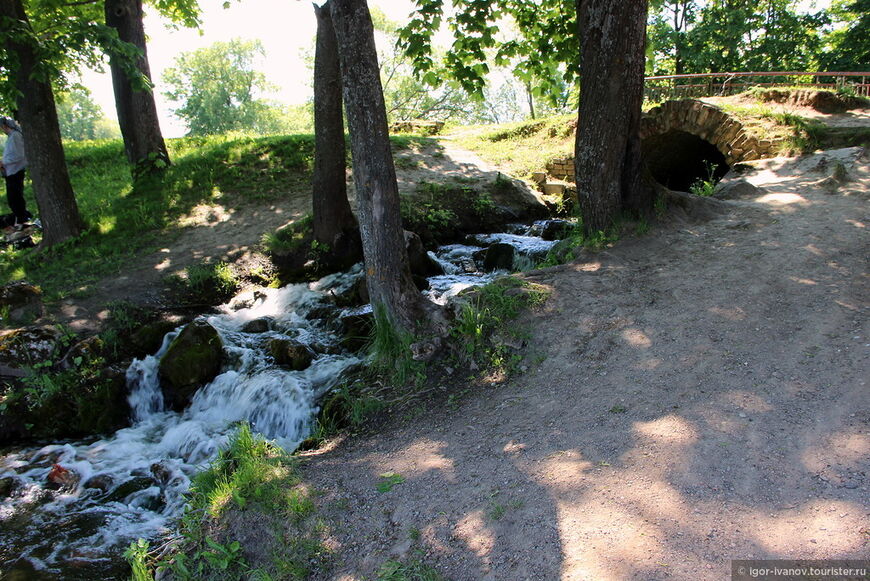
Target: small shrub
{"points": [[205, 284], [490, 312], [250, 474], [290, 238]]}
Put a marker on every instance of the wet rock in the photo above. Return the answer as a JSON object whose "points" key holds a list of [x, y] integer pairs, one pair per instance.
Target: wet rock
{"points": [[419, 260], [101, 482], [192, 360], [556, 229], [291, 354], [354, 296], [60, 478], [468, 265], [129, 487], [260, 325], [8, 486], [161, 473], [246, 299], [322, 312], [23, 301], [20, 348], [499, 256], [148, 338]]}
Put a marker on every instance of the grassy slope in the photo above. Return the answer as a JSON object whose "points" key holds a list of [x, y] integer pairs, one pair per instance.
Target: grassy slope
{"points": [[125, 219], [523, 147]]}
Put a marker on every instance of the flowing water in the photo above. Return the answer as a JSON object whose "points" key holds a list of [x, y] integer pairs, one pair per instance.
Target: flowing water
{"points": [[131, 484]]}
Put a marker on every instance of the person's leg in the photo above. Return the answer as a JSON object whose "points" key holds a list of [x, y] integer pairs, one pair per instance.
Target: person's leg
{"points": [[15, 196]]}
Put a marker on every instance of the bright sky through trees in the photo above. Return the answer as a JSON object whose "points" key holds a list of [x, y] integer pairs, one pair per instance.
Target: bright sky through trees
{"points": [[285, 27]]}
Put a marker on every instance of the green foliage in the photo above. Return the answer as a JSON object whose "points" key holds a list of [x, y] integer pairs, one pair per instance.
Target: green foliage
{"points": [[137, 556], [388, 480], [250, 474], [690, 36], [705, 186], [216, 90], [81, 118], [543, 54], [68, 398], [489, 311], [205, 283], [848, 45], [413, 570], [127, 220]]}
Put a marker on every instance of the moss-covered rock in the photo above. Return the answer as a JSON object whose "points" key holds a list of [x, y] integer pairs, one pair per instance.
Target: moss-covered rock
{"points": [[148, 338], [290, 353], [193, 359], [23, 348], [22, 303]]}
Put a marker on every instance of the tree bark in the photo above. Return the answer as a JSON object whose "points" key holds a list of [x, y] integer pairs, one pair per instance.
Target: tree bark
{"points": [[333, 221], [37, 113], [608, 168], [388, 273], [137, 111]]}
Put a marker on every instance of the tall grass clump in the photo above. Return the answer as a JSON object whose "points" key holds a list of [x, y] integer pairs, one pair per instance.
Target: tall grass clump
{"points": [[488, 313], [254, 479]]}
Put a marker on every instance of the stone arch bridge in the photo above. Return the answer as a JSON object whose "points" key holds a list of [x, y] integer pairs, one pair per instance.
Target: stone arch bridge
{"points": [[686, 140]]}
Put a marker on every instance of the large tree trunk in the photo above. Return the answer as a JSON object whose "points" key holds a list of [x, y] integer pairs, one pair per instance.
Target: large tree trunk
{"points": [[58, 209], [334, 224], [608, 166], [388, 273], [137, 111]]}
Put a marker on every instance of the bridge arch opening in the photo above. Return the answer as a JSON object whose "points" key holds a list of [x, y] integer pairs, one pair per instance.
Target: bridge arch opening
{"points": [[677, 159]]}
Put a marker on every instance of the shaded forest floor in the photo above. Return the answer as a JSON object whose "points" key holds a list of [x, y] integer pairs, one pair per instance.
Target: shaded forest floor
{"points": [[695, 395]]}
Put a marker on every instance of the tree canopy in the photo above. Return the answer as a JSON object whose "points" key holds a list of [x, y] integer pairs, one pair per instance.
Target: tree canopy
{"points": [[219, 89], [81, 118]]}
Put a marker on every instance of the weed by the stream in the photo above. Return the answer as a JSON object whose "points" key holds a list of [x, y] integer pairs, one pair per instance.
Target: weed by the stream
{"points": [[410, 570], [250, 476]]}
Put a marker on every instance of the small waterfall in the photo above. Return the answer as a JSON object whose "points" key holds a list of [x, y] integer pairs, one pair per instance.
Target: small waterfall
{"points": [[131, 484]]}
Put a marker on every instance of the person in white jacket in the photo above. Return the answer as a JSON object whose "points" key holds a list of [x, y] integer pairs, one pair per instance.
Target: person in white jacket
{"points": [[12, 167]]}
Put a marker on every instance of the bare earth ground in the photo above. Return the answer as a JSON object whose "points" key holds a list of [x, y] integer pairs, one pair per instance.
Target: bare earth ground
{"points": [[702, 397]]}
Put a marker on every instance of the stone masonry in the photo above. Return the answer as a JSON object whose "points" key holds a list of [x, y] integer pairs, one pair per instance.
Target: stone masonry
{"points": [[698, 118]]}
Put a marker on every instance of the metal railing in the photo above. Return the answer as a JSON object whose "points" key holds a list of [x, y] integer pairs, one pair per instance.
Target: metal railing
{"points": [[662, 88]]}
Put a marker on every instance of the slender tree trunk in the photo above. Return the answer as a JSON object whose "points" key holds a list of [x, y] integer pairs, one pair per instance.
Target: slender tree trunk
{"points": [[37, 113], [531, 100], [388, 273], [608, 167], [334, 223], [137, 111]]}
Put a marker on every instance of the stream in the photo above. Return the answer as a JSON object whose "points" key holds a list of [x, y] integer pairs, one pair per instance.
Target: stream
{"points": [[77, 505]]}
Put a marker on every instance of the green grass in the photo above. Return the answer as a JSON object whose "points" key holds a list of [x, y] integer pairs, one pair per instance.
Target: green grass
{"points": [[523, 147], [491, 310], [411, 570], [250, 474], [126, 219]]}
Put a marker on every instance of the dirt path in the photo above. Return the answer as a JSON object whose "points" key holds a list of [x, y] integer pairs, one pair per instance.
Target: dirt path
{"points": [[700, 396]]}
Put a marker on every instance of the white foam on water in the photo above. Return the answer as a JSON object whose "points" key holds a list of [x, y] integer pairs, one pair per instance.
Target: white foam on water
{"points": [[145, 469], [156, 457]]}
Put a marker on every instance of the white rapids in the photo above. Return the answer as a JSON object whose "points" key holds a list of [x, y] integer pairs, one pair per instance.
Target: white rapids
{"points": [[131, 484]]}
